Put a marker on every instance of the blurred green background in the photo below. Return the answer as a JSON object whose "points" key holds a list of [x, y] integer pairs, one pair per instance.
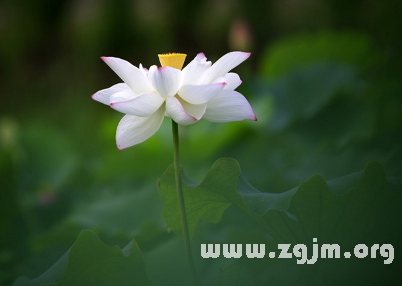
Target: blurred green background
{"points": [[324, 79]]}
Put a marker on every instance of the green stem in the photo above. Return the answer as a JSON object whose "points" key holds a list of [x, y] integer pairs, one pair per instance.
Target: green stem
{"points": [[186, 236]]}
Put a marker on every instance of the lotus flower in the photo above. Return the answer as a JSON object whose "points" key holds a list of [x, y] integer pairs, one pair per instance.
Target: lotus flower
{"points": [[200, 90]]}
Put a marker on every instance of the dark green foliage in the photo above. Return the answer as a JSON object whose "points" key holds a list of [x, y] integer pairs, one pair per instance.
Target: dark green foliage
{"points": [[358, 208], [90, 262]]}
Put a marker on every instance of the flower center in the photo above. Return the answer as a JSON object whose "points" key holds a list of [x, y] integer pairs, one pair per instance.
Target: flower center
{"points": [[174, 60]]}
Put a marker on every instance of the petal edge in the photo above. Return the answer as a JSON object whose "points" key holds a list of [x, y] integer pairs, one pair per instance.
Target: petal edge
{"points": [[225, 64], [141, 105], [103, 96], [133, 129], [200, 94], [130, 74], [229, 106], [164, 80], [177, 111]]}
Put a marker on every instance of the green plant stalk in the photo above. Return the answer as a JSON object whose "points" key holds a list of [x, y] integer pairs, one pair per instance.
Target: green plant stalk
{"points": [[177, 167]]}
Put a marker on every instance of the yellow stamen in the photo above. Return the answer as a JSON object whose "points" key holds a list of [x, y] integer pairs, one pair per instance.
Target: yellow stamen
{"points": [[174, 60]]}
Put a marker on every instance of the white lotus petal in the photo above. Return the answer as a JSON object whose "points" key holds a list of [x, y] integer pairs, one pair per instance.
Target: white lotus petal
{"points": [[182, 112], [143, 70], [195, 110], [199, 94], [165, 80], [123, 95], [229, 106], [104, 95], [134, 129], [140, 105], [193, 72], [232, 80], [130, 74], [222, 66]]}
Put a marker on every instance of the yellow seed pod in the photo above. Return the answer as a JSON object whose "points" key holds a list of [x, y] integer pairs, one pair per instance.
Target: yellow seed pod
{"points": [[174, 60]]}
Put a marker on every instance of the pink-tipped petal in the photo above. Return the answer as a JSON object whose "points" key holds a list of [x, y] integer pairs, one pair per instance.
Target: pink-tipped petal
{"points": [[133, 129], [130, 74], [165, 81], [104, 95], [200, 94], [140, 105], [194, 71], [232, 80], [143, 70], [229, 106], [225, 64], [183, 112]]}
